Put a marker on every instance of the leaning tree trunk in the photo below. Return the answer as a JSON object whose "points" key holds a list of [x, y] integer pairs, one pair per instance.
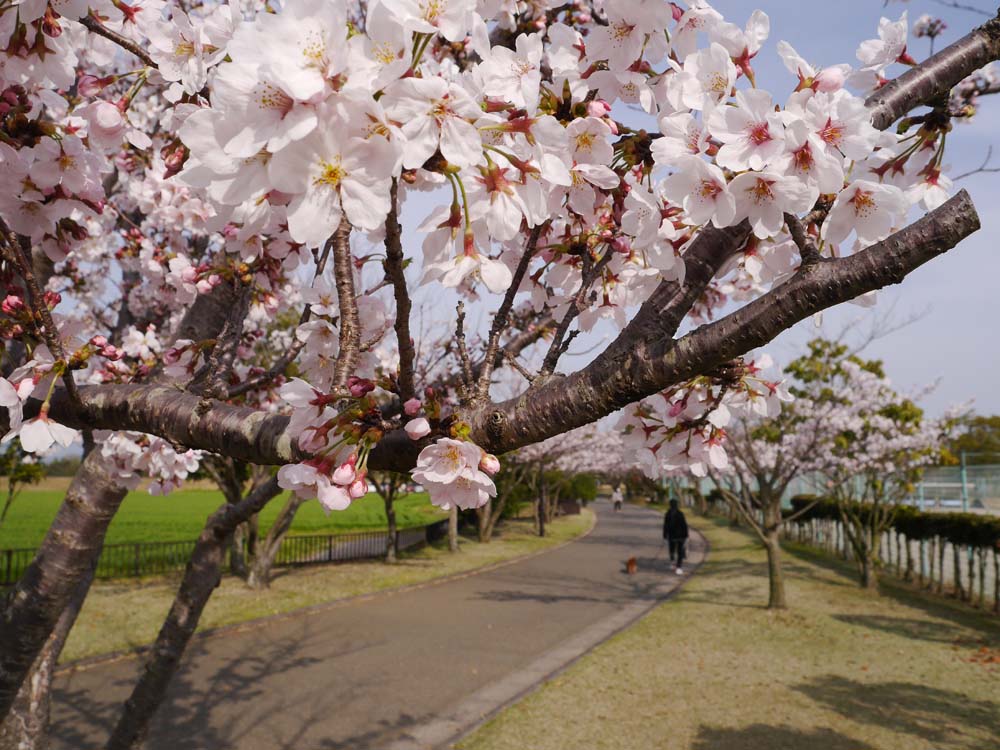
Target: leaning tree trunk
{"points": [[775, 573], [202, 576], [262, 563], [68, 553], [982, 577], [996, 580], [26, 726]]}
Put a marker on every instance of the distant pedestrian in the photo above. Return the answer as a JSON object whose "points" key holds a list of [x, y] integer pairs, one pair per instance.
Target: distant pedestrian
{"points": [[617, 497], [675, 531]]}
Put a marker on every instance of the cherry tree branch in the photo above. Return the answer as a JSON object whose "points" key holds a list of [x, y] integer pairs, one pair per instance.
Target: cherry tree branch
{"points": [[551, 407], [297, 346], [937, 75], [649, 365], [502, 317], [95, 26], [394, 265], [350, 324]]}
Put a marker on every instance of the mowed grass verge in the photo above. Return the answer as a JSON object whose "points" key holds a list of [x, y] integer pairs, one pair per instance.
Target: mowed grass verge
{"points": [[124, 615], [181, 515], [712, 669]]}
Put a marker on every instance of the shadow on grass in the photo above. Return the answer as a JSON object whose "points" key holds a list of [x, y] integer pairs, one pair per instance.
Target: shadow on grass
{"points": [[764, 737], [918, 630], [918, 710]]}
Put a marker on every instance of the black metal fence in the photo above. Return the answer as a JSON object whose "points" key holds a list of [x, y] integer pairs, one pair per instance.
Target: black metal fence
{"points": [[158, 558]]}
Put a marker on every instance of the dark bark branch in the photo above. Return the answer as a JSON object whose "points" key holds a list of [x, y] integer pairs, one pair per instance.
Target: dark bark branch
{"points": [[649, 365], [394, 266], [937, 75], [350, 325], [463, 349], [95, 26], [807, 248], [203, 573], [502, 318]]}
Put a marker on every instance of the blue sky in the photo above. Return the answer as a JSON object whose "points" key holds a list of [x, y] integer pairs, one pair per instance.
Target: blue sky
{"points": [[953, 342]]}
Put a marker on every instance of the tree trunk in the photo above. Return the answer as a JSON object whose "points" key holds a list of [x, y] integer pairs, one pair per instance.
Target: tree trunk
{"points": [[996, 580], [202, 576], [237, 552], [908, 573], [69, 551], [941, 551], [262, 563], [490, 517], [956, 562], [982, 577], [453, 529], [391, 550], [26, 726], [971, 568], [869, 575], [775, 573]]}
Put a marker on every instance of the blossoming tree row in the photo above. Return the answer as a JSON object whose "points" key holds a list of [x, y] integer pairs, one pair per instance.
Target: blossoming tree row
{"points": [[202, 244]]}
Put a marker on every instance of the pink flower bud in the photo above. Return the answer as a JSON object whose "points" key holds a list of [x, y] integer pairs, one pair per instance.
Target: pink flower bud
{"points": [[344, 475], [189, 275], [359, 386], [99, 341], [489, 463], [204, 286], [598, 108], [105, 125], [172, 356], [830, 79], [412, 407], [358, 488], [12, 304], [417, 428], [113, 353], [214, 279]]}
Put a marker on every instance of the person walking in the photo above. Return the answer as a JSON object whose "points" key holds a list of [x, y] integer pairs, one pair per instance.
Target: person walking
{"points": [[617, 497], [675, 531]]}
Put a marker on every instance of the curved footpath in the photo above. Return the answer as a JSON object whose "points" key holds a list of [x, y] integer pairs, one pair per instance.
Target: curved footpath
{"points": [[410, 669]]}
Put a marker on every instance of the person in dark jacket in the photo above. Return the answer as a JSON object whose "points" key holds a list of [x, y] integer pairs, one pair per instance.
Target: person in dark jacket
{"points": [[675, 531]]}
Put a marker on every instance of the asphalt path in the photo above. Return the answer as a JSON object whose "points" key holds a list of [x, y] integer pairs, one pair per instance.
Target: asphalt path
{"points": [[407, 669]]}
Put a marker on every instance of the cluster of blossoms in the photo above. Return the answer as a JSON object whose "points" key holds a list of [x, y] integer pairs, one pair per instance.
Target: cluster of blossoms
{"points": [[683, 429], [130, 455], [250, 135]]}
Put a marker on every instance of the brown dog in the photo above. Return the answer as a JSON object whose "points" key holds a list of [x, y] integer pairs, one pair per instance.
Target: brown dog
{"points": [[631, 566]]}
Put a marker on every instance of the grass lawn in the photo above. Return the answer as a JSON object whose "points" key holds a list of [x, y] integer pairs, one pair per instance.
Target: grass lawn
{"points": [[181, 515], [123, 615], [714, 670]]}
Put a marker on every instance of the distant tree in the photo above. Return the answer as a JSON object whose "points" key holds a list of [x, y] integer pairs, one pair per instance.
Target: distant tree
{"points": [[20, 469], [61, 467], [979, 438]]}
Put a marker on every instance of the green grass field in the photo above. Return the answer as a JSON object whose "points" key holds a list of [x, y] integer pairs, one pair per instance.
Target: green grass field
{"points": [[181, 515]]}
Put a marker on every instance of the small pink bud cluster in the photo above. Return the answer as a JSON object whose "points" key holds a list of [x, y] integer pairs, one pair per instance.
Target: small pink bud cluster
{"points": [[106, 349], [359, 387]]}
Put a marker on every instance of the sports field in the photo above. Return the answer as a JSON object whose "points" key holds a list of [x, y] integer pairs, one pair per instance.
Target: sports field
{"points": [[181, 515]]}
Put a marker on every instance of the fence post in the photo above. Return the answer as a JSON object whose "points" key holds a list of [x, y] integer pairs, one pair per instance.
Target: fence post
{"points": [[8, 579], [138, 556], [329, 548]]}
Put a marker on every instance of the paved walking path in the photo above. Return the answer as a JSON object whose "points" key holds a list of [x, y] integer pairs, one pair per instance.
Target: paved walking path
{"points": [[412, 669]]}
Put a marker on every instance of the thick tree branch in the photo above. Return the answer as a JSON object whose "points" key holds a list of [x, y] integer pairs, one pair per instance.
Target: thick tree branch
{"points": [[394, 266], [937, 75], [648, 366], [350, 324]]}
